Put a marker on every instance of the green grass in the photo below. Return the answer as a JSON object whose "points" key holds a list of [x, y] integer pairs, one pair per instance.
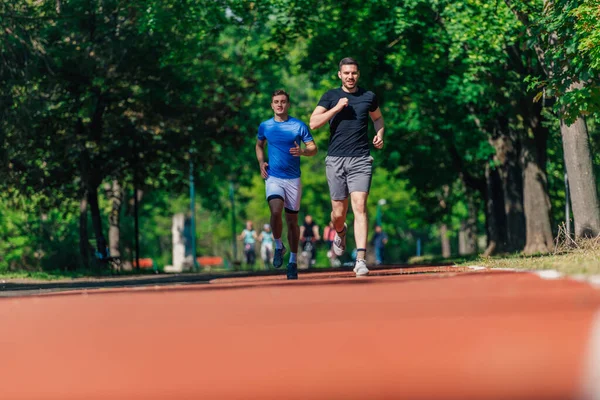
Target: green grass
{"points": [[576, 261], [44, 275], [66, 275], [429, 259], [581, 256], [571, 257]]}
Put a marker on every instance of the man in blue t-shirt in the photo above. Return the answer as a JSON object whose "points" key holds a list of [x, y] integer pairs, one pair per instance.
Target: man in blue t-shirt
{"points": [[284, 134], [348, 164]]}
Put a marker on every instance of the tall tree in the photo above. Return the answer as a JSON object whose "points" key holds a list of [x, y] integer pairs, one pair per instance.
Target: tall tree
{"points": [[552, 26]]}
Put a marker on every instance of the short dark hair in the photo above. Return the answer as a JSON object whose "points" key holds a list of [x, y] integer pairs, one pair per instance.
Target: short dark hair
{"points": [[279, 92], [348, 61]]}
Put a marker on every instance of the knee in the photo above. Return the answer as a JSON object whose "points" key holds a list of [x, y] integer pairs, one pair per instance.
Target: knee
{"points": [[276, 213], [337, 214], [292, 220], [359, 209]]}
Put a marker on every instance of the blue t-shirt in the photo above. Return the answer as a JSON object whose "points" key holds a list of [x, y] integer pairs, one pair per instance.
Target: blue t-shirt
{"points": [[281, 137]]}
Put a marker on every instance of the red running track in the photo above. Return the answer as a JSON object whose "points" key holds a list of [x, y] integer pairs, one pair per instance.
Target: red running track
{"points": [[445, 335]]}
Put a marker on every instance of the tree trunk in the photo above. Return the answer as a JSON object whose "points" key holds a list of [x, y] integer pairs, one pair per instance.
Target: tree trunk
{"points": [[97, 220], [507, 153], [446, 250], [537, 206], [495, 215], [83, 231], [467, 239], [535, 184], [114, 230], [582, 180], [127, 264]]}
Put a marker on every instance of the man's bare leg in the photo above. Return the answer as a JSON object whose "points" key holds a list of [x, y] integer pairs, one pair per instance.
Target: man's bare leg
{"points": [[338, 213], [293, 237], [276, 207], [361, 222], [293, 231], [338, 217]]}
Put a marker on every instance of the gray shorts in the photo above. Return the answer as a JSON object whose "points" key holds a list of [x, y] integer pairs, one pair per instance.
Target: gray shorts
{"points": [[348, 174]]}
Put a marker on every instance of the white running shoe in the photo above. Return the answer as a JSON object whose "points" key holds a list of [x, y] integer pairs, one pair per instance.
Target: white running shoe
{"points": [[339, 242], [360, 268]]}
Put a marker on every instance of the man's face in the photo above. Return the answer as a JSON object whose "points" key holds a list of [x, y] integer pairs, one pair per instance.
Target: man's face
{"points": [[308, 219], [378, 229], [349, 75], [280, 104]]}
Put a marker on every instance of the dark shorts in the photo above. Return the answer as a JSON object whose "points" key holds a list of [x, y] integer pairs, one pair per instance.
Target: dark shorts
{"points": [[348, 174]]}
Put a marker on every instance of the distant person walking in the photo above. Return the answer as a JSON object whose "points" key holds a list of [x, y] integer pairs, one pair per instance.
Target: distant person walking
{"points": [[329, 235], [248, 236], [379, 241], [284, 136], [266, 245], [309, 232], [349, 162]]}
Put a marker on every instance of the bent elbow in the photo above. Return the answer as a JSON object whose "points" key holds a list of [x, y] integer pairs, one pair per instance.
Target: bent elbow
{"points": [[314, 123]]}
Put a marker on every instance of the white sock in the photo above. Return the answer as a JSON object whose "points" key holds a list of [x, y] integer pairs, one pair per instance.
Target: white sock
{"points": [[278, 243], [293, 257]]}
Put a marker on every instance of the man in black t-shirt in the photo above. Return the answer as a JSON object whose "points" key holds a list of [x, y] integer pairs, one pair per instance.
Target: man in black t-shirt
{"points": [[309, 232], [348, 162]]}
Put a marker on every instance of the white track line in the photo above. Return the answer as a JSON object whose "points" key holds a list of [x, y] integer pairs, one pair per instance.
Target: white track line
{"points": [[477, 267], [594, 280], [590, 386], [548, 274]]}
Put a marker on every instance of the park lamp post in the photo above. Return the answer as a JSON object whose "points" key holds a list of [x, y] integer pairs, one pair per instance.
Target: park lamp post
{"points": [[379, 214], [193, 211], [233, 236]]}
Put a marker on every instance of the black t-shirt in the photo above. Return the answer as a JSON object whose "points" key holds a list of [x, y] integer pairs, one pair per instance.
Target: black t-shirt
{"points": [[308, 230], [349, 127]]}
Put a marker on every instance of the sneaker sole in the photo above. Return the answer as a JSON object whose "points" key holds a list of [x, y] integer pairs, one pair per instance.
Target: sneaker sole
{"points": [[359, 274]]}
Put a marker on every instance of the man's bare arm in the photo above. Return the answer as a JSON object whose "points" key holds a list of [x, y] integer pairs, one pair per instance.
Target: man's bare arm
{"points": [[310, 150], [379, 125], [316, 232], [321, 115], [260, 156]]}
